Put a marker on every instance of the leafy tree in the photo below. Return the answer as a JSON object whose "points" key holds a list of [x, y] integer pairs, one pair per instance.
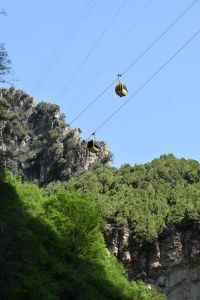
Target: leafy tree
{"points": [[5, 63]]}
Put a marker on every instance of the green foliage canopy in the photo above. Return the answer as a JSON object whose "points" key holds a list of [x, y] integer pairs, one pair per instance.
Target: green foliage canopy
{"points": [[146, 197], [4, 63]]}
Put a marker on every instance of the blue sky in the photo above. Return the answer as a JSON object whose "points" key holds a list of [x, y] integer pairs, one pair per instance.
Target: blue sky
{"points": [[60, 58]]}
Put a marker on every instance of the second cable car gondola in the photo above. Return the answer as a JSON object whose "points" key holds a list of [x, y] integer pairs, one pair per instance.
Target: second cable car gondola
{"points": [[92, 145], [121, 89]]}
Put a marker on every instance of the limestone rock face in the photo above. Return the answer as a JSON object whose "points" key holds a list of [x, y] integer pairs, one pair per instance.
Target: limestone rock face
{"points": [[38, 144], [171, 263]]}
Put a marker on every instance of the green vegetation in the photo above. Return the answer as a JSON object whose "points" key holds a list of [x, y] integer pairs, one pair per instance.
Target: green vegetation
{"points": [[146, 197], [51, 247], [4, 63]]}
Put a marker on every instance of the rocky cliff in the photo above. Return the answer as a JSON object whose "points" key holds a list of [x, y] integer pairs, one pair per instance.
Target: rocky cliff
{"points": [[172, 262], [36, 143]]}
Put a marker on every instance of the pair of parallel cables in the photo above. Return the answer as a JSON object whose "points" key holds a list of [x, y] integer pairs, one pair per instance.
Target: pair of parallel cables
{"points": [[40, 78], [67, 41], [133, 63], [90, 6], [145, 83], [115, 49]]}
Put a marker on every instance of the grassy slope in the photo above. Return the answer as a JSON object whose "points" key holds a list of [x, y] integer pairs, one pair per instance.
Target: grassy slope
{"points": [[52, 248]]}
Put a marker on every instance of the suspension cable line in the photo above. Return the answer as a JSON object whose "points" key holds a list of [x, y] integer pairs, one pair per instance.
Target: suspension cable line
{"points": [[136, 60], [94, 100], [91, 50], [146, 82], [116, 48], [67, 41], [59, 47], [159, 37]]}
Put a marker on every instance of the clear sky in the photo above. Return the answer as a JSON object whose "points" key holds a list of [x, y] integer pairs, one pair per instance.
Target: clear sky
{"points": [[68, 52]]}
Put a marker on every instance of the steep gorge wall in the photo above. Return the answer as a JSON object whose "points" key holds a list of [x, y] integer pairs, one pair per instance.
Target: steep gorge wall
{"points": [[172, 262], [37, 143]]}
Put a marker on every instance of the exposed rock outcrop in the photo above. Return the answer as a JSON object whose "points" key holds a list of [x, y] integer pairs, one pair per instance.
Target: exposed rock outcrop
{"points": [[172, 262], [38, 144]]}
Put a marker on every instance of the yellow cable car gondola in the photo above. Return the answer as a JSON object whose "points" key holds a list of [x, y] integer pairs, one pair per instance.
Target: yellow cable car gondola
{"points": [[121, 89], [92, 145]]}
